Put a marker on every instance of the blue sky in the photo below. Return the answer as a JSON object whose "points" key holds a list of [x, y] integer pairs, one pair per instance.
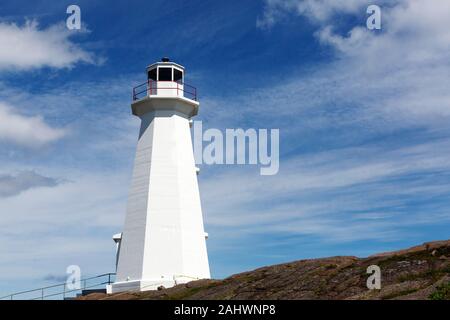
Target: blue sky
{"points": [[363, 118]]}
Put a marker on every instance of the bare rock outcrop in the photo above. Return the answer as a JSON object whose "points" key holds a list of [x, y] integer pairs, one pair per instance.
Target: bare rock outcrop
{"points": [[421, 272]]}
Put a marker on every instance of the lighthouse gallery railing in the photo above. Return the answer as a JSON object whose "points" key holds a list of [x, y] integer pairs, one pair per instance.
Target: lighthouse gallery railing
{"points": [[152, 87]]}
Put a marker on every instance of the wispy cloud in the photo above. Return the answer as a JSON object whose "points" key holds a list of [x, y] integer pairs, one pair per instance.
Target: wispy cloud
{"points": [[364, 137], [48, 229], [55, 278], [316, 10], [11, 185], [74, 220], [328, 194]]}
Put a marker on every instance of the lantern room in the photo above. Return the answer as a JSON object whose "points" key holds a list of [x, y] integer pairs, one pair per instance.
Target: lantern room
{"points": [[165, 79], [165, 71]]}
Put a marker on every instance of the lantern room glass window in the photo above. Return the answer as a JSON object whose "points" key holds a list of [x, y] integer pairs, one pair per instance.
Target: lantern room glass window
{"points": [[165, 74], [177, 75], [152, 74]]}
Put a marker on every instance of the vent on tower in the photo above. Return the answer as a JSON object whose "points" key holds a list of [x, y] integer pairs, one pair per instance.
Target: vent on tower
{"points": [[165, 59]]}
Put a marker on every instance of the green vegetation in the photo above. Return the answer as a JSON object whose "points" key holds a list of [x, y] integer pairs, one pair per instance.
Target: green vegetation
{"points": [[330, 266], [442, 292]]}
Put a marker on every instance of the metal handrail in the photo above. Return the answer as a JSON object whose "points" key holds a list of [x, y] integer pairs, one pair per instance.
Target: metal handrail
{"points": [[151, 85], [64, 292], [70, 291]]}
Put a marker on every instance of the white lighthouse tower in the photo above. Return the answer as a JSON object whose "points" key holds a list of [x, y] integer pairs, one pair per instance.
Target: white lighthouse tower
{"points": [[163, 240]]}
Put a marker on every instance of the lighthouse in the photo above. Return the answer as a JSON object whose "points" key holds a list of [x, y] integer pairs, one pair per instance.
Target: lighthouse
{"points": [[163, 242]]}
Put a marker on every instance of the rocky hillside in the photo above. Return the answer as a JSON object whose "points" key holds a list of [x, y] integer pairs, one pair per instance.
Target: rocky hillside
{"points": [[421, 272]]}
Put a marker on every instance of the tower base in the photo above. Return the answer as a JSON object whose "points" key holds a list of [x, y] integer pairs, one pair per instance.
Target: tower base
{"points": [[147, 284]]}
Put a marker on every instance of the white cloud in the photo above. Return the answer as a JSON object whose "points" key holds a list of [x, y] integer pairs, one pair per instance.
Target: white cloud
{"points": [[406, 65], [384, 80], [24, 130], [27, 47], [413, 32]]}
